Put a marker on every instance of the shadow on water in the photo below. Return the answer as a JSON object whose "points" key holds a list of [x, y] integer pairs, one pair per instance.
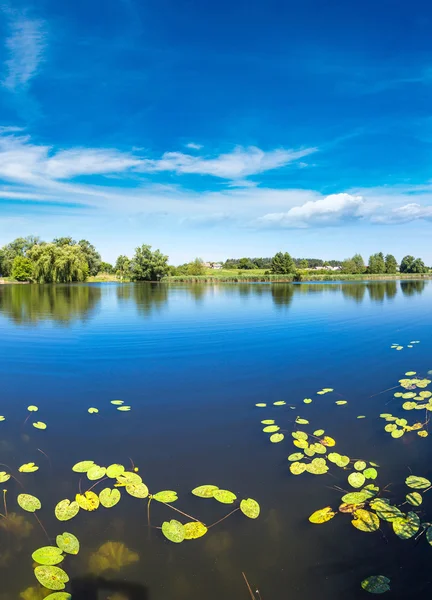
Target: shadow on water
{"points": [[98, 588], [148, 297]]}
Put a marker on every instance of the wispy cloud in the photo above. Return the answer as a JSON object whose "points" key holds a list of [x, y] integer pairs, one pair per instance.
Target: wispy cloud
{"points": [[25, 47], [193, 146]]}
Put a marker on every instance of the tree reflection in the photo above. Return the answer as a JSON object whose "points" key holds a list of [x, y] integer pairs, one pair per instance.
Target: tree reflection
{"points": [[282, 294], [410, 288], [149, 297], [31, 304]]}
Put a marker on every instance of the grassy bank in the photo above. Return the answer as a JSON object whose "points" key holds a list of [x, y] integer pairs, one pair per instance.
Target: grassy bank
{"points": [[220, 277]]}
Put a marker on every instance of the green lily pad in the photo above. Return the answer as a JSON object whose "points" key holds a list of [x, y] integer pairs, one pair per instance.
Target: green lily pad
{"points": [[414, 498], [317, 467], [397, 433], [140, 490], [307, 400], [271, 428], [68, 543], [365, 520], [299, 435], [48, 555], [356, 480], [297, 468], [4, 476], [204, 491], [59, 596], [174, 531], [32, 408], [276, 438], [296, 456], [40, 425], [224, 496], [92, 410], [28, 468], [319, 432], [279, 403], [109, 497], [322, 515], [113, 471], [390, 427], [166, 496], [417, 483], [66, 510], [261, 404], [194, 530], [370, 473], [355, 497], [250, 508], [359, 465], [341, 402], [128, 478], [301, 421], [268, 422], [28, 502], [117, 402], [124, 408], [52, 578], [96, 472], [406, 528], [376, 584], [83, 466]]}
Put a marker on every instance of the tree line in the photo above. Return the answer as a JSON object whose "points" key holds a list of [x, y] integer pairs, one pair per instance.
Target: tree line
{"points": [[64, 260]]}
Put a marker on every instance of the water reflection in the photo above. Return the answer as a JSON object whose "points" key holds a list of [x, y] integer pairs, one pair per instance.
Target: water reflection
{"points": [[63, 304], [31, 304]]}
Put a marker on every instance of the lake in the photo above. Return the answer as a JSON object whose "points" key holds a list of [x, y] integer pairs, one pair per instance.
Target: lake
{"points": [[192, 362]]}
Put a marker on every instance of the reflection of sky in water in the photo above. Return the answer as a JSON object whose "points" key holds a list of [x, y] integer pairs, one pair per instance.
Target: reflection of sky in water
{"points": [[192, 361]]}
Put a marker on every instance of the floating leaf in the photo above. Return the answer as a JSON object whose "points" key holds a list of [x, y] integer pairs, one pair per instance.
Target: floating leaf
{"points": [[261, 404], [417, 483], [359, 465], [2, 418], [128, 478], [109, 497], [376, 584], [297, 468], [28, 502], [4, 476], [32, 408], [295, 456], [390, 427], [268, 422], [409, 373], [422, 433], [88, 501], [83, 466], [414, 498], [124, 408], [59, 596], [250, 508], [328, 441], [113, 471], [174, 531], [271, 428], [356, 480], [52, 578], [361, 417], [205, 491], [117, 402], [28, 468], [397, 433], [194, 530], [322, 516], [365, 520], [309, 451], [370, 473], [300, 421], [341, 402], [406, 528], [166, 496], [279, 403], [318, 448], [303, 444], [276, 438], [92, 410], [66, 510], [300, 435], [224, 496], [111, 556], [140, 490], [355, 497], [385, 511], [96, 472], [68, 543], [429, 535], [40, 425], [307, 400], [317, 467], [48, 555], [319, 432]]}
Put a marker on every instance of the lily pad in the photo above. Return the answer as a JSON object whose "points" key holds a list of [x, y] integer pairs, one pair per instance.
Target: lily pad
{"points": [[295, 456], [276, 438], [96, 472], [66, 510], [250, 508], [83, 466], [224, 496], [319, 432], [88, 501], [268, 422], [174, 531], [365, 520], [297, 468], [406, 528], [59, 596], [194, 530], [140, 490], [113, 471], [28, 468], [117, 402], [32, 408], [341, 402], [261, 404], [397, 433], [300, 435], [124, 408], [204, 491], [109, 497], [328, 441], [355, 497], [414, 498], [68, 543], [376, 584], [322, 515], [28, 502], [40, 425], [271, 428], [128, 478], [417, 483], [92, 410], [356, 480], [317, 467], [370, 473], [301, 421], [4, 476], [52, 578], [359, 465], [166, 496], [48, 555], [279, 403]]}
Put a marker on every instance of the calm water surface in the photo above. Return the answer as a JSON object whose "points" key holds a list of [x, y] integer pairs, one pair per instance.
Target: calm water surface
{"points": [[192, 361]]}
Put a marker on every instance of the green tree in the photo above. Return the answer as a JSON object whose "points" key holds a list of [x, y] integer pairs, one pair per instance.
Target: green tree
{"points": [[58, 264], [19, 247], [246, 263], [282, 263], [390, 264], [377, 263], [303, 264], [22, 268], [196, 267], [93, 257], [418, 266], [122, 267], [106, 267], [354, 265], [64, 241], [147, 265], [410, 264]]}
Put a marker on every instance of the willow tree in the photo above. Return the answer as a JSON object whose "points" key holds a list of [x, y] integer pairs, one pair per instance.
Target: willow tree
{"points": [[58, 264]]}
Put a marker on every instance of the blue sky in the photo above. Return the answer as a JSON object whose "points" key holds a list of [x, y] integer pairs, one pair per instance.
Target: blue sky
{"points": [[218, 129]]}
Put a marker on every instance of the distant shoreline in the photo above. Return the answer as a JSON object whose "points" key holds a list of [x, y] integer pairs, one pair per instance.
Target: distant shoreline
{"points": [[289, 278]]}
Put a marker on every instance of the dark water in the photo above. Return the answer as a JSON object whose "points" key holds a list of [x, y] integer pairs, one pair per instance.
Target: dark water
{"points": [[192, 361]]}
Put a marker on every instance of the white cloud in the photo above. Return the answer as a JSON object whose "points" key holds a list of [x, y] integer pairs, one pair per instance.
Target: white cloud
{"points": [[193, 146], [25, 46], [323, 212], [241, 162], [404, 214]]}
